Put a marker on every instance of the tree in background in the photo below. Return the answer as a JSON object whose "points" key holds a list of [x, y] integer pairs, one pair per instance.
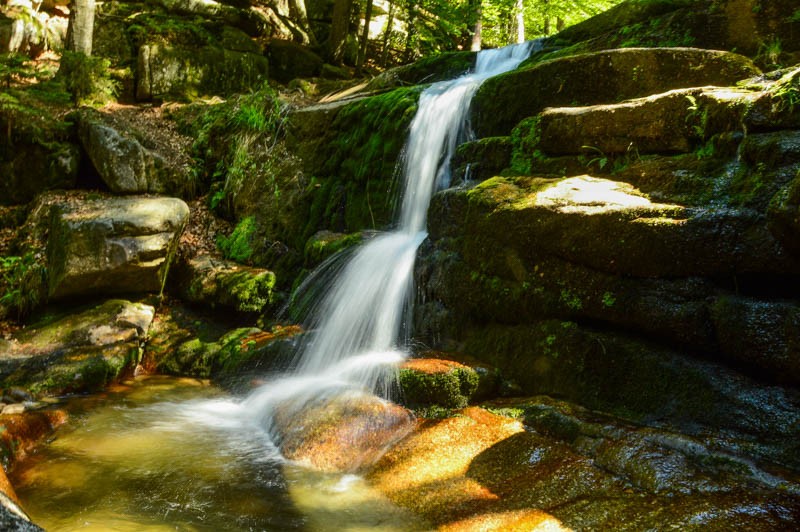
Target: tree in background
{"points": [[81, 26]]}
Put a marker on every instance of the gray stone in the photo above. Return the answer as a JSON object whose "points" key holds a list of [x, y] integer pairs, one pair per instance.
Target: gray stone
{"points": [[114, 245], [123, 163]]}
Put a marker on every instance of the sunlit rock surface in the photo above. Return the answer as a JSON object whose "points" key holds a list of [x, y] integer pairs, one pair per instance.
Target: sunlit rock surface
{"points": [[77, 353], [112, 245], [341, 432]]}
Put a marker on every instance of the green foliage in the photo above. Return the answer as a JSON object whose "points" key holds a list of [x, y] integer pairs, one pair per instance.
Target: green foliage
{"points": [[238, 246], [14, 67], [769, 53], [88, 78], [23, 283], [525, 141]]}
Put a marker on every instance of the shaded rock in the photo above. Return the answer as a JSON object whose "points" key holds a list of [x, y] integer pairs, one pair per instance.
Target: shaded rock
{"points": [[444, 383], [165, 71], [639, 380], [123, 163], [784, 216], [37, 153], [762, 335], [113, 245], [81, 352], [482, 159], [776, 107], [439, 67], [289, 60], [221, 283], [346, 432], [616, 75]]}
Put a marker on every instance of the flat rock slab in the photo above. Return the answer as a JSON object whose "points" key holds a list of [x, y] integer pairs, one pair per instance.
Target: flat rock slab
{"points": [[80, 352], [615, 75], [112, 245]]}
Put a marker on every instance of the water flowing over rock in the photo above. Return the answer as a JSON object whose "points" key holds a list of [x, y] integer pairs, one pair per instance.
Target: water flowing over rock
{"points": [[113, 245], [358, 323]]}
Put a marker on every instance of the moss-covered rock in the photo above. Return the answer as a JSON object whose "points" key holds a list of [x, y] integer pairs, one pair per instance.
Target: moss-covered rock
{"points": [[79, 353], [482, 159], [616, 75], [324, 244], [430, 69], [224, 284], [435, 382]]}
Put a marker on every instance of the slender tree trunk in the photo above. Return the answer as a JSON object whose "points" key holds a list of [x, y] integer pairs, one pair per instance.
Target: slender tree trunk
{"points": [[387, 34], [475, 45], [520, 21], [412, 30], [546, 13], [560, 23], [362, 51], [81, 26], [340, 25]]}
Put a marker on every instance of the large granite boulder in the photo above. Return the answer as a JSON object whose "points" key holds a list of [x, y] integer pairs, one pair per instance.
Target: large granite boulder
{"points": [[123, 163], [112, 245], [78, 353]]}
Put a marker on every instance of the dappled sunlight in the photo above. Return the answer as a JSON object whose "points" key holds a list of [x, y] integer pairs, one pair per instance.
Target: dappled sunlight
{"points": [[591, 195]]}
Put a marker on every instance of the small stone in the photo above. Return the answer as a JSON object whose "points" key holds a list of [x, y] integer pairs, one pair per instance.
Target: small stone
{"points": [[16, 408]]}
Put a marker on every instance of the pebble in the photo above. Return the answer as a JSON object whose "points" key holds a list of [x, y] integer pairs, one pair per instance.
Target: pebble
{"points": [[17, 408]]}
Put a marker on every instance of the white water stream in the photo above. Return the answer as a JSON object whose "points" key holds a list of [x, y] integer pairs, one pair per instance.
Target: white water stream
{"points": [[357, 340]]}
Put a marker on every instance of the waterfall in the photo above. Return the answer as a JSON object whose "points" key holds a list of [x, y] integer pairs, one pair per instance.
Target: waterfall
{"points": [[357, 330]]}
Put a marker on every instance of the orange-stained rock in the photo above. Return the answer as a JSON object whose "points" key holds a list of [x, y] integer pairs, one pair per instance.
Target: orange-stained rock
{"points": [[340, 433]]}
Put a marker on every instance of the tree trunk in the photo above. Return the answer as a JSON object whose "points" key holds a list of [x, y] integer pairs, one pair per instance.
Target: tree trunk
{"points": [[412, 30], [81, 26], [387, 34], [362, 51], [520, 21], [297, 10], [340, 25], [475, 46]]}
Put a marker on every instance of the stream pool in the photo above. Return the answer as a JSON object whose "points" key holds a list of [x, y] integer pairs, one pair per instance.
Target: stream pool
{"points": [[159, 454]]}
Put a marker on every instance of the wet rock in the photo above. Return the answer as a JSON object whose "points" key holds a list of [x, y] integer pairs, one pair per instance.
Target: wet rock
{"points": [[346, 432], [617, 75], [17, 408], [324, 244], [220, 283], [482, 159], [444, 383], [439, 67], [114, 245], [643, 381], [80, 352], [784, 216], [123, 163]]}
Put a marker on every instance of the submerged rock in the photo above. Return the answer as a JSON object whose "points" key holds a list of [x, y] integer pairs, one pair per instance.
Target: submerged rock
{"points": [[113, 245], [78, 353]]}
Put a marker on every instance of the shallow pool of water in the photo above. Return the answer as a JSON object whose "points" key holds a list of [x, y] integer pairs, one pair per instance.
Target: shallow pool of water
{"points": [[164, 454]]}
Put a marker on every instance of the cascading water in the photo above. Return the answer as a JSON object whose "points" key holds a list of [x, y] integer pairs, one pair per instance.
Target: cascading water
{"points": [[358, 328]]}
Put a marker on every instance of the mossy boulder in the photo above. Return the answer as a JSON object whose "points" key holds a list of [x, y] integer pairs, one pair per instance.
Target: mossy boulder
{"points": [[235, 358], [481, 159], [223, 284], [617, 75], [436, 382], [112, 245], [165, 71], [325, 244], [82, 352], [784, 215]]}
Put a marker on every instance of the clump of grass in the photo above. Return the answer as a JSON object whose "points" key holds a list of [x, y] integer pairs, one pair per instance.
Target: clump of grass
{"points": [[23, 281]]}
